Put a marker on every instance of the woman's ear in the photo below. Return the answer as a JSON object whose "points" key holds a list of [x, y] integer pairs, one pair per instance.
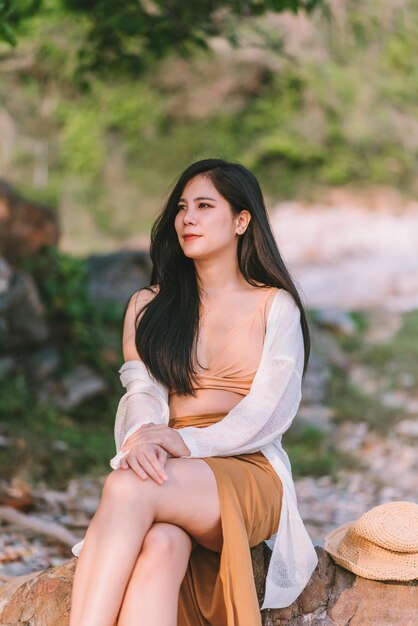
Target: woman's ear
{"points": [[242, 222]]}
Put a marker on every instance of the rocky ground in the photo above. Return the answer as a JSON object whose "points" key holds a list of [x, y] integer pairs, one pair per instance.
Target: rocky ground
{"points": [[352, 250], [359, 257]]}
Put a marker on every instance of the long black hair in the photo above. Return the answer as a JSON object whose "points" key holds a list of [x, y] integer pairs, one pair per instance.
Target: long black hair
{"points": [[166, 333]]}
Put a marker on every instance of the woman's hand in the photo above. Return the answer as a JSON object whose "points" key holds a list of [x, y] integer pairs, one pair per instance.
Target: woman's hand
{"points": [[161, 435], [147, 459]]}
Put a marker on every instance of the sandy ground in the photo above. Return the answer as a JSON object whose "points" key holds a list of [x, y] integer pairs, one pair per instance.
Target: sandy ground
{"points": [[351, 257]]}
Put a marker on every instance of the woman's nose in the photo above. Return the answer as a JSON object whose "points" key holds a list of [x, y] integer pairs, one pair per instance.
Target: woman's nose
{"points": [[189, 217]]}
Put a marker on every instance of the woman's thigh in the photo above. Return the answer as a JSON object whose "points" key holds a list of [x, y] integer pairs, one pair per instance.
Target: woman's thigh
{"points": [[192, 501], [188, 498]]}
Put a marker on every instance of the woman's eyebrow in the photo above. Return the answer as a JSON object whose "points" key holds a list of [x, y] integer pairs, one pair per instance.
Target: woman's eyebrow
{"points": [[199, 198]]}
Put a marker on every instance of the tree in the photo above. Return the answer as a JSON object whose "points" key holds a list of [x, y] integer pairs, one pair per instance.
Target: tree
{"points": [[129, 36]]}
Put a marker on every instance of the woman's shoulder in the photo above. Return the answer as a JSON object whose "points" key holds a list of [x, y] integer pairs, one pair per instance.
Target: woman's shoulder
{"points": [[142, 297], [286, 305], [136, 302]]}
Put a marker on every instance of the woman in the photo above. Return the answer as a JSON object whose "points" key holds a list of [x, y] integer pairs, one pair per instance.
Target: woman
{"points": [[214, 352]]}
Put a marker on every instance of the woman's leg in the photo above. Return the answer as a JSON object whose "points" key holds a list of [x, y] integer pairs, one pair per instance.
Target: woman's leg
{"points": [[153, 588], [128, 507]]}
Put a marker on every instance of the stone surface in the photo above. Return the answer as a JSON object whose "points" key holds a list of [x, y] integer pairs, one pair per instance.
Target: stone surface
{"points": [[79, 385], [351, 255], [114, 277], [374, 603], [22, 316], [333, 597], [26, 226], [42, 600]]}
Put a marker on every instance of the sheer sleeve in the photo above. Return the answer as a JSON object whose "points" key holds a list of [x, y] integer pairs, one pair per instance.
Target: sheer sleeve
{"points": [[269, 408], [145, 400]]}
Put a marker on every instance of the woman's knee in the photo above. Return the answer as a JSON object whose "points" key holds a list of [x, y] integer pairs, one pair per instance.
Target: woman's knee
{"points": [[123, 485], [166, 541]]}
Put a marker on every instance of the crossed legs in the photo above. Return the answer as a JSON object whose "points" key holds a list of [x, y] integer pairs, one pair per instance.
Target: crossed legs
{"points": [[152, 592], [137, 546]]}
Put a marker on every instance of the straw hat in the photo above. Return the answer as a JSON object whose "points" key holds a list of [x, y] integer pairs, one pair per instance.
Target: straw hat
{"points": [[381, 545]]}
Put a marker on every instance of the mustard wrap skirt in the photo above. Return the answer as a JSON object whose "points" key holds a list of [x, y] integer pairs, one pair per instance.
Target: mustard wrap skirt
{"points": [[218, 588]]}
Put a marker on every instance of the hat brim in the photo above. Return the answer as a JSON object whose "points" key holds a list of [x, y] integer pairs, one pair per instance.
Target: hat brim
{"points": [[375, 564]]}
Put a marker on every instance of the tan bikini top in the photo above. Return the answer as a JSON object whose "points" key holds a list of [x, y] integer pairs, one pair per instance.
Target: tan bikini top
{"points": [[236, 360]]}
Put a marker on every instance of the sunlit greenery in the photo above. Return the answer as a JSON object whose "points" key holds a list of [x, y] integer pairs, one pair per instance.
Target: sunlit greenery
{"points": [[44, 443], [341, 110], [311, 452], [388, 363], [47, 442], [85, 331], [130, 36]]}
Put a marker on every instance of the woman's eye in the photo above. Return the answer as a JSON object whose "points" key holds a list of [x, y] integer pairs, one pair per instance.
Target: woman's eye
{"points": [[201, 204]]}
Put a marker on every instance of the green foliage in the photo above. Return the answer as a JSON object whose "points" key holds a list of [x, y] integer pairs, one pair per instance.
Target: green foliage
{"points": [[51, 444], [12, 13], [129, 37], [342, 113], [398, 355], [45, 444], [388, 362], [311, 453], [82, 150], [351, 404], [85, 331]]}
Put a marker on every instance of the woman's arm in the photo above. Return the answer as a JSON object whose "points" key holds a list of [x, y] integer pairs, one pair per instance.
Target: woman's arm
{"points": [[145, 399]]}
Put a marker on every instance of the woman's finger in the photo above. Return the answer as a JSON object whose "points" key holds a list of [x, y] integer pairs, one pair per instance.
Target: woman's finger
{"points": [[156, 464], [151, 464], [133, 464], [162, 455], [149, 468]]}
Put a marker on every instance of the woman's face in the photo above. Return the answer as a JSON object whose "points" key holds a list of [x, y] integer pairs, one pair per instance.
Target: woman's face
{"points": [[207, 215]]}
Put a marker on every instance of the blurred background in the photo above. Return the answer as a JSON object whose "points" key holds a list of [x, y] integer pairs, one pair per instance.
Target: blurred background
{"points": [[101, 106]]}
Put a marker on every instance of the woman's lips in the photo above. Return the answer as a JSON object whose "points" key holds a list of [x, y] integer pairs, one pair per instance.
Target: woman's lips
{"points": [[187, 237]]}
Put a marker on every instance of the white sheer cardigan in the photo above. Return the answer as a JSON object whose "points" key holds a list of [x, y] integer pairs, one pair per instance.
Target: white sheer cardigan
{"points": [[256, 423]]}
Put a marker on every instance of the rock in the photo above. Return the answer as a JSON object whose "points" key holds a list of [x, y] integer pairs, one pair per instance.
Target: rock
{"points": [[326, 345], [406, 379], [365, 378], [339, 321], [8, 589], [374, 603], [42, 600], [22, 314], [116, 276], [393, 399], [383, 326], [314, 384], [337, 597], [26, 227], [351, 253], [81, 384], [6, 274], [352, 436], [315, 415], [7, 365], [407, 429], [42, 363], [333, 597]]}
